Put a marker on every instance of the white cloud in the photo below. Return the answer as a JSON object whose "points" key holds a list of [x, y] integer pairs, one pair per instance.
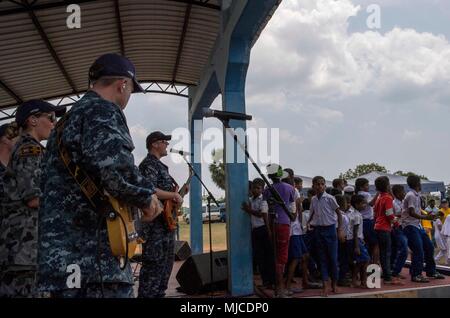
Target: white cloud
{"points": [[289, 138], [411, 135], [137, 131], [337, 96], [307, 50]]}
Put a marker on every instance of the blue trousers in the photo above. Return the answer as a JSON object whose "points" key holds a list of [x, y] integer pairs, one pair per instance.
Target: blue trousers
{"points": [[384, 242], [343, 257], [310, 242], [422, 250], [399, 250], [327, 250]]}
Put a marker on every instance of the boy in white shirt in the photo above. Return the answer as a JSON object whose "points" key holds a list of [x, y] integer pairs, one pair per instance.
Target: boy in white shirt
{"points": [[261, 234], [324, 216], [370, 236], [446, 237], [399, 241], [355, 242], [419, 243], [343, 257]]}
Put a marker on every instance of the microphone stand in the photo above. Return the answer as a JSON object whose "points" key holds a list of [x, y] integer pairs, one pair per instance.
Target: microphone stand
{"points": [[209, 199], [276, 198]]}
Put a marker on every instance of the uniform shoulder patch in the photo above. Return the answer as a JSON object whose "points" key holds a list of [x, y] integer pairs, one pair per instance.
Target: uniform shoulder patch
{"points": [[30, 151]]}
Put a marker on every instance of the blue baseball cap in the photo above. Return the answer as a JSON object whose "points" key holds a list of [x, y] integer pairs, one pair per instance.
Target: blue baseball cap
{"points": [[112, 64], [36, 106]]}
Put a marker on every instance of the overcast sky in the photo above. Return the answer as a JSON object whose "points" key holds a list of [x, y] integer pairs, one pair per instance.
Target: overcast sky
{"points": [[340, 93]]}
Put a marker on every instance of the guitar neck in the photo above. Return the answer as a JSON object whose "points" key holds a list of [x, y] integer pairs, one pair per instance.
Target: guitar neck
{"points": [[184, 188]]}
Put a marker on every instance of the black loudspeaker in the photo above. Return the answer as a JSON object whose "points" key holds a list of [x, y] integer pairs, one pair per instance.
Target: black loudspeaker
{"points": [[182, 250], [194, 275]]}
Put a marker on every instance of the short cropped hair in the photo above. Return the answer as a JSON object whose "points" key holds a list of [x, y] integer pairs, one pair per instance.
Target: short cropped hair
{"points": [[341, 200], [413, 181], [317, 179], [382, 184], [336, 182], [357, 199], [397, 189], [258, 182], [359, 183]]}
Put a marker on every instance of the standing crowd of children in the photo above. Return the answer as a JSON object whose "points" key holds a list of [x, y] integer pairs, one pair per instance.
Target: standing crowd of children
{"points": [[330, 236]]}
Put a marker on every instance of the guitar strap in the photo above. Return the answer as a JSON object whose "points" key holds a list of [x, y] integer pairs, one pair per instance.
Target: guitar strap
{"points": [[90, 190]]}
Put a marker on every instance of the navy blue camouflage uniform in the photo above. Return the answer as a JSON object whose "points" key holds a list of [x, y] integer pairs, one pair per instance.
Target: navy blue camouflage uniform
{"points": [[19, 226], [96, 135], [158, 249], [2, 191]]}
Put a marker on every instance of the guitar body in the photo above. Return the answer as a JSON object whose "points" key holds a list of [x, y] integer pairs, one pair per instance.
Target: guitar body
{"points": [[170, 214], [122, 233], [171, 209]]}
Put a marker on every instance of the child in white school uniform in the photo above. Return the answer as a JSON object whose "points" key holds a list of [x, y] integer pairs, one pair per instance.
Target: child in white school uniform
{"points": [[370, 236], [441, 244], [344, 266], [324, 216], [357, 250], [445, 232]]}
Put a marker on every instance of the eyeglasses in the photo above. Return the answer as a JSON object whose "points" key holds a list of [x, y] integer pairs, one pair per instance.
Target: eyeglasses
{"points": [[51, 117]]}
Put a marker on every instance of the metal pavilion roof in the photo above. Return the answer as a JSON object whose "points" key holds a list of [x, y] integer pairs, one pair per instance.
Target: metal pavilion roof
{"points": [[169, 41]]}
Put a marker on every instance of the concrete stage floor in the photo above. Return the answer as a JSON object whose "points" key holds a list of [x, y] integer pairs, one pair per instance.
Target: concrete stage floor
{"points": [[435, 288]]}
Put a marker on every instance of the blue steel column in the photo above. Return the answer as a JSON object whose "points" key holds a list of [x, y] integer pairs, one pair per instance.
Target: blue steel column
{"points": [[253, 17], [242, 20], [240, 281], [195, 193]]}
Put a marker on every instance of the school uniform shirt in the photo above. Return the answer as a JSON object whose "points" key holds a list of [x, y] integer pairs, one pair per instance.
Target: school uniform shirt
{"points": [[347, 229], [367, 213], [345, 221], [431, 210], [305, 218], [296, 227], [440, 243], [397, 204], [384, 212], [412, 200], [354, 218], [323, 209], [446, 227], [398, 207], [260, 205]]}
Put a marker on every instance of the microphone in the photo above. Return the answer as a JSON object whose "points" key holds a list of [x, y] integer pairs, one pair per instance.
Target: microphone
{"points": [[180, 152], [207, 112]]}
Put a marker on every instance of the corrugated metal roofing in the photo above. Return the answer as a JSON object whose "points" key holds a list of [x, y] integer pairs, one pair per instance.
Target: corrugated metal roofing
{"points": [[152, 33]]}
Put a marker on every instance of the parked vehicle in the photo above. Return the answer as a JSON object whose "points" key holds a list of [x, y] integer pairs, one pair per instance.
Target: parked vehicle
{"points": [[217, 214]]}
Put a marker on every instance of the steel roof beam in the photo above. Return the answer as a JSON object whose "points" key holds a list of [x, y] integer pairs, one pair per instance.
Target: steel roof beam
{"points": [[36, 7], [119, 27], [187, 15], [50, 48], [200, 3], [51, 5], [11, 92]]}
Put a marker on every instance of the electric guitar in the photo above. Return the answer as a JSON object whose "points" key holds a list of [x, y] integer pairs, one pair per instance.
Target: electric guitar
{"points": [[123, 237], [171, 209]]}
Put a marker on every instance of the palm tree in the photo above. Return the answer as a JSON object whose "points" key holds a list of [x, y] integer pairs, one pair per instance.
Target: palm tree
{"points": [[217, 168]]}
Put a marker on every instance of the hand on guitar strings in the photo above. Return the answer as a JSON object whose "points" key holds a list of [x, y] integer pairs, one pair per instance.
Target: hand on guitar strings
{"points": [[153, 210], [177, 198]]}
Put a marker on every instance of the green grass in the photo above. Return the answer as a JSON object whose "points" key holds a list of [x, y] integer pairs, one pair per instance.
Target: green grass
{"points": [[219, 236]]}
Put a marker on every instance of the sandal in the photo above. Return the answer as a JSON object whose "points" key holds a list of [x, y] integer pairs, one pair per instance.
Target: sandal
{"points": [[436, 276], [419, 279]]}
